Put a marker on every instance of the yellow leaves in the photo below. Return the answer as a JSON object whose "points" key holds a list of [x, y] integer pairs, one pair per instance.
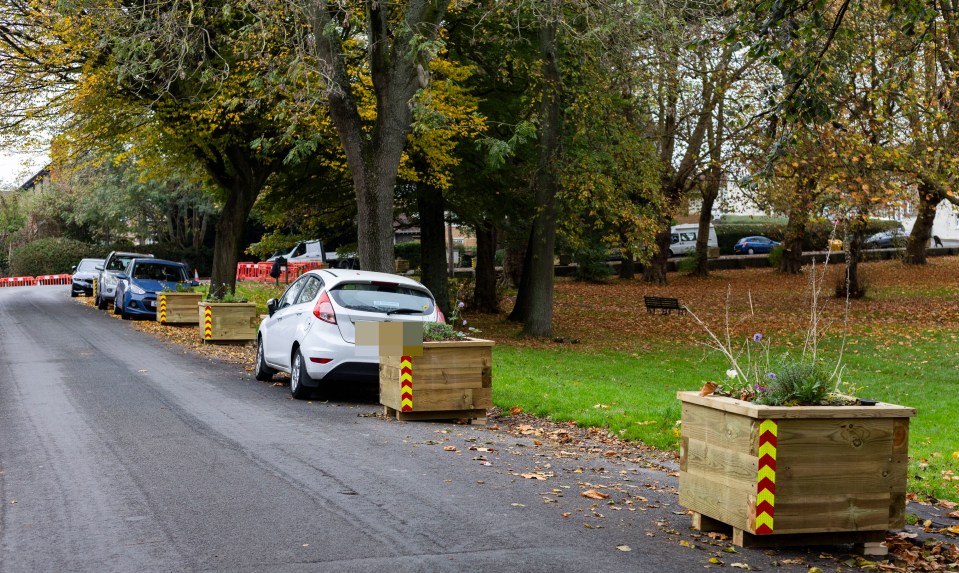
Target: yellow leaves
{"points": [[593, 494]]}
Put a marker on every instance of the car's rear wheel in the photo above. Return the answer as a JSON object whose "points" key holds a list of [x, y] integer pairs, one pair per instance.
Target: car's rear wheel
{"points": [[751, 251], [100, 302], [299, 375], [261, 371]]}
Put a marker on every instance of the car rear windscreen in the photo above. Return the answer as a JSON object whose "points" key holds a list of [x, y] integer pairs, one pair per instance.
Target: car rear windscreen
{"points": [[385, 298], [155, 272]]}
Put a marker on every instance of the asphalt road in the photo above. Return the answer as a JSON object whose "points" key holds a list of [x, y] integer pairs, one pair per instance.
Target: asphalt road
{"points": [[121, 452]]}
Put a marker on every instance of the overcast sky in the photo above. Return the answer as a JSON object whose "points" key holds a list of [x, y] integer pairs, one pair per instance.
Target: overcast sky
{"points": [[15, 168]]}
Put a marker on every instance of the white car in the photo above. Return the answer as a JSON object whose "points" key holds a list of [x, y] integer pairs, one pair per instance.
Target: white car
{"points": [[311, 331]]}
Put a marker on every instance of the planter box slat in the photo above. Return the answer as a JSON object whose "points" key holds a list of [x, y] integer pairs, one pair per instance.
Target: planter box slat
{"points": [[180, 307], [452, 379], [835, 469], [229, 321]]}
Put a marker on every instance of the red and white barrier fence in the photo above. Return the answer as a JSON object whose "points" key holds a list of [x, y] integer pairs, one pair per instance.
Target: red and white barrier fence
{"points": [[54, 279], [261, 271], [33, 281]]}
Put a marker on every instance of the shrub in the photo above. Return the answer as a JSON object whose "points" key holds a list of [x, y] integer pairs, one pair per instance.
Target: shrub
{"points": [[591, 264], [50, 256], [776, 256], [409, 251]]}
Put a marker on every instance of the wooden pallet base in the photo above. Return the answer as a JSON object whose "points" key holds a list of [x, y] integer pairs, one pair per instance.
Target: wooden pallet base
{"points": [[476, 417], [864, 542]]}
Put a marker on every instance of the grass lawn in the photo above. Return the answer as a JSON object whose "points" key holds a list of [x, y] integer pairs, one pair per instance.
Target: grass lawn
{"points": [[624, 370]]}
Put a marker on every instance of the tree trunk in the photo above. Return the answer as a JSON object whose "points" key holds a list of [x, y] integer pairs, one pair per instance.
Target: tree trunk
{"points": [[432, 208], [241, 177], [710, 193], [655, 270], [853, 287], [485, 298], [627, 266], [791, 262], [539, 319], [373, 155], [521, 308], [929, 199]]}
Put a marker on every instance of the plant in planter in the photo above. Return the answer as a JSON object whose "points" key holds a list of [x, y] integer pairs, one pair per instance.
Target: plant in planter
{"points": [[451, 379], [779, 454]]}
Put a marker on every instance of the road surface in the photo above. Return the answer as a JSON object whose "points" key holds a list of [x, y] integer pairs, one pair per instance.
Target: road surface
{"points": [[121, 452]]}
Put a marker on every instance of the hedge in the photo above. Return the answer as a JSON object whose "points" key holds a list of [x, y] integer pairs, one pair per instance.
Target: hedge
{"points": [[817, 232], [50, 256], [57, 256]]}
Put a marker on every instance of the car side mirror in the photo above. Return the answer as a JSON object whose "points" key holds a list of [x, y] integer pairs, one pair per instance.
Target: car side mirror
{"points": [[271, 306], [122, 276], [99, 267], [73, 268]]}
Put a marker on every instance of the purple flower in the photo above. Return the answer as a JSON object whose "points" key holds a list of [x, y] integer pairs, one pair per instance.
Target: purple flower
{"points": [[460, 304], [757, 337], [759, 387], [771, 375], [464, 323]]}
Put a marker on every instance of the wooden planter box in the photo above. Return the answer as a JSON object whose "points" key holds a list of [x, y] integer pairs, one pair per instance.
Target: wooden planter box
{"points": [[452, 379], [794, 475], [177, 307], [228, 321]]}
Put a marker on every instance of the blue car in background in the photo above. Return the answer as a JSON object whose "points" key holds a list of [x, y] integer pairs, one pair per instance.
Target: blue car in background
{"points": [[753, 245], [138, 285]]}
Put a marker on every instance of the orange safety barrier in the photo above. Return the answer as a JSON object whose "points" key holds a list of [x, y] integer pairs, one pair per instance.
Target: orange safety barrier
{"points": [[247, 272], [54, 279], [17, 281]]}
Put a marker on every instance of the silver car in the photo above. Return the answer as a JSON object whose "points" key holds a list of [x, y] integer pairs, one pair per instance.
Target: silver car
{"points": [[116, 262], [311, 334]]}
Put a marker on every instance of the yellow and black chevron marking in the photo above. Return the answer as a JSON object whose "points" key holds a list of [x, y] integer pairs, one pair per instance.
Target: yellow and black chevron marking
{"points": [[162, 308], [94, 287], [406, 383], [766, 477], [208, 323]]}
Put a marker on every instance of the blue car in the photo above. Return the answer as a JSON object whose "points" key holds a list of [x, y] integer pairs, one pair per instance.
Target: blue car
{"points": [[753, 245], [138, 285]]}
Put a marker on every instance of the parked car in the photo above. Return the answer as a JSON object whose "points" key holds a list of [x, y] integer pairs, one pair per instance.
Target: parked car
{"points": [[139, 283], [310, 331], [753, 245], [682, 239], [887, 239], [116, 262], [83, 275]]}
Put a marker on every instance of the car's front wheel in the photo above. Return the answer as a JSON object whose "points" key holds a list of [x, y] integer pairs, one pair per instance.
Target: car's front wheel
{"points": [[261, 371], [299, 375], [117, 301], [73, 293], [100, 302], [751, 251]]}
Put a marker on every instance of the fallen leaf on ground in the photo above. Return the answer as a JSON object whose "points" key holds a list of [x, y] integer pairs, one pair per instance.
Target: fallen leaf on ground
{"points": [[623, 547], [515, 410], [593, 494], [449, 448]]}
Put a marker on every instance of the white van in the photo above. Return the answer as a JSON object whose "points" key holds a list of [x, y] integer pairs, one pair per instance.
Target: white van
{"points": [[682, 240]]}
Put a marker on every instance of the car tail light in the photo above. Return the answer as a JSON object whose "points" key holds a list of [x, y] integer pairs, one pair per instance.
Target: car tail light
{"points": [[440, 317], [321, 360], [324, 309]]}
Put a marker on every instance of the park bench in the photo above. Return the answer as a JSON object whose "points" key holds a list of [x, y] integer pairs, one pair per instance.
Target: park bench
{"points": [[665, 304]]}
